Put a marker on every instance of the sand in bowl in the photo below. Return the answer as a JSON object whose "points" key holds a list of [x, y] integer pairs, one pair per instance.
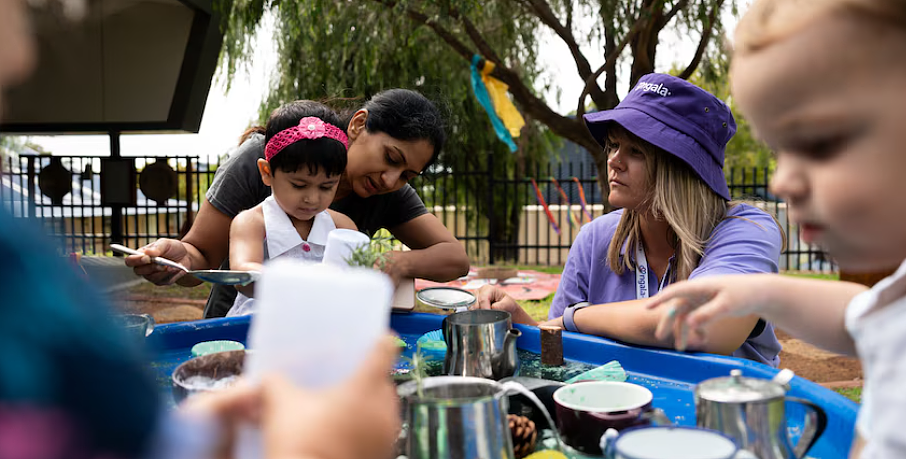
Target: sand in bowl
{"points": [[207, 373]]}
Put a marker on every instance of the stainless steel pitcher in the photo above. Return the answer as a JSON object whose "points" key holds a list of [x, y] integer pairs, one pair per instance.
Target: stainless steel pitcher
{"points": [[752, 411], [454, 417], [480, 343]]}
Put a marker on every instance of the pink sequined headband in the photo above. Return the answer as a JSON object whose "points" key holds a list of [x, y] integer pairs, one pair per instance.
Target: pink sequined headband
{"points": [[309, 127]]}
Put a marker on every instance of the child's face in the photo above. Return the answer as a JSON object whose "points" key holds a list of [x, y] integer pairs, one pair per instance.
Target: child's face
{"points": [[831, 100], [301, 194]]}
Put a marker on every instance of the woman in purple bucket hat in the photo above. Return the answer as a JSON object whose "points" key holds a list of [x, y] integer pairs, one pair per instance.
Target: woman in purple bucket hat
{"points": [[665, 143]]}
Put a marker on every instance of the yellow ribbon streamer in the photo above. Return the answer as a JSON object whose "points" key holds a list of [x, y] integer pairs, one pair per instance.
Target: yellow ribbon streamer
{"points": [[504, 107]]}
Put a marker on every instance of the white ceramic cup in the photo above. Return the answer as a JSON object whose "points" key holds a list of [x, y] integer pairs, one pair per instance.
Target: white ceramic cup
{"points": [[671, 443], [340, 245]]}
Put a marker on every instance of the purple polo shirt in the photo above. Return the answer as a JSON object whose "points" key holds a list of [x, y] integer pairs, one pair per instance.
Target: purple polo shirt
{"points": [[749, 244]]}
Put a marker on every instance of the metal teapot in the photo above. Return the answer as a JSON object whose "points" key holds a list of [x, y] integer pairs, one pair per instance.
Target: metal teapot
{"points": [[751, 410], [480, 343]]}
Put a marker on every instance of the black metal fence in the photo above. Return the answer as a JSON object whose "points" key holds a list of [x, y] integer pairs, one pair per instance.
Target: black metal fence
{"points": [[530, 217], [66, 195]]}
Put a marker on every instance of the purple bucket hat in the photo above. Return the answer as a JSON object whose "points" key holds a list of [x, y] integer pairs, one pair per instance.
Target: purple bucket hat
{"points": [[677, 117]]}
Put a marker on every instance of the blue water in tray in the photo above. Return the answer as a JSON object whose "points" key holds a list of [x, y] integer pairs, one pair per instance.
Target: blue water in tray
{"points": [[675, 398]]}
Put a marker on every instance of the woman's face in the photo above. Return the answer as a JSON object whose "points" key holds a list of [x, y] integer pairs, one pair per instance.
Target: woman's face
{"points": [[627, 171], [379, 163]]}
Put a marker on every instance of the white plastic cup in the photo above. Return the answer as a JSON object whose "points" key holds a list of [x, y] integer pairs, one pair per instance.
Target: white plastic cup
{"points": [[340, 245], [314, 324]]}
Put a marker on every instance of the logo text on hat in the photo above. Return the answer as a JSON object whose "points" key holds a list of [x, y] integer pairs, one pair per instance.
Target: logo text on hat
{"points": [[655, 88]]}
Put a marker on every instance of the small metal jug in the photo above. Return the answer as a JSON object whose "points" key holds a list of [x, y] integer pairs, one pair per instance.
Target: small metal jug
{"points": [[454, 417], [480, 343], [751, 411]]}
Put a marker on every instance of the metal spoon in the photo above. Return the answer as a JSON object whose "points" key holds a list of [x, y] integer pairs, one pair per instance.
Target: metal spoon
{"points": [[214, 276]]}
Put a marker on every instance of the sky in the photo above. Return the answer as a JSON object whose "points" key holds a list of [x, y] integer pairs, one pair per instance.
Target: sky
{"points": [[228, 113]]}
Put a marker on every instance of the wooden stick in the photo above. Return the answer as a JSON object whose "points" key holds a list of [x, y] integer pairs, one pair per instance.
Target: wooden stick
{"points": [[551, 345]]}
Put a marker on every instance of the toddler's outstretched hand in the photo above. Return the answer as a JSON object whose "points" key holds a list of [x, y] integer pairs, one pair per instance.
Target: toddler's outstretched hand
{"points": [[691, 305]]}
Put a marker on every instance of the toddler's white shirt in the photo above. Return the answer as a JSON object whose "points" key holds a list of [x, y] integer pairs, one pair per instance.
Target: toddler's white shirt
{"points": [[876, 320]]}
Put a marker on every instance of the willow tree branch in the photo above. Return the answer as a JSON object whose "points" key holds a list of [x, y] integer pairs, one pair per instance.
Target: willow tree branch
{"points": [[569, 15], [522, 94], [477, 38], [677, 7], [547, 16], [703, 43], [441, 32], [614, 54]]}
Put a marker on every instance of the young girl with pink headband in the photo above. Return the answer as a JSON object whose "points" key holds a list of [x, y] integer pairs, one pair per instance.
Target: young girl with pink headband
{"points": [[304, 157]]}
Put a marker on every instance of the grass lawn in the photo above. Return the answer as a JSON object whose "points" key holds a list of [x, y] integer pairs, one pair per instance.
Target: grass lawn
{"points": [[809, 275], [854, 394]]}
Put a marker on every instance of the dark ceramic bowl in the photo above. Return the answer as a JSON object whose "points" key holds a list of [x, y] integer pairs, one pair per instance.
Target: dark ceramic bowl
{"points": [[216, 366], [585, 410]]}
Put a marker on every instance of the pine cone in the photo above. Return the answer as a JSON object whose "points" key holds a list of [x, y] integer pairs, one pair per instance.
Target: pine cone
{"points": [[524, 434]]}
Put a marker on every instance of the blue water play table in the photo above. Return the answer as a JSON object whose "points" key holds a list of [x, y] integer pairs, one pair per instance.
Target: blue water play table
{"points": [[671, 376]]}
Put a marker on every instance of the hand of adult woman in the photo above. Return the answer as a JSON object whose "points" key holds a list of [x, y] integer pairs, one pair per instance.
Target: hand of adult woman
{"points": [[222, 411], [170, 249], [493, 297], [395, 266]]}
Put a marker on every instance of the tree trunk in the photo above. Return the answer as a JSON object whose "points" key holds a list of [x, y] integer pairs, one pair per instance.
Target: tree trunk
{"points": [[644, 44]]}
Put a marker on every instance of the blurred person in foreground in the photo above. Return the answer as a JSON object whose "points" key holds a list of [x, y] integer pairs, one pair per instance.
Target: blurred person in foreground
{"points": [[73, 386], [824, 84]]}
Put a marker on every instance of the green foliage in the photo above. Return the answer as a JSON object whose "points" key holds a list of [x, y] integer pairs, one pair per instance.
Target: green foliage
{"points": [[853, 393], [10, 145], [813, 275], [372, 254]]}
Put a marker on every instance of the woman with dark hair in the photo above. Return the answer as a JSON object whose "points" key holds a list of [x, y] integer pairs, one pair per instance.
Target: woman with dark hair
{"points": [[73, 386], [394, 137]]}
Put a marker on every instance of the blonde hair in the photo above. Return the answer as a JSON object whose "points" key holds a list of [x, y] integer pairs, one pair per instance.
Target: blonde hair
{"points": [[676, 195], [770, 21]]}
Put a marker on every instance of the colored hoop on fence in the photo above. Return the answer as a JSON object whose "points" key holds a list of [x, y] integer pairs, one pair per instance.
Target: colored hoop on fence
{"points": [[547, 210], [582, 199], [573, 221]]}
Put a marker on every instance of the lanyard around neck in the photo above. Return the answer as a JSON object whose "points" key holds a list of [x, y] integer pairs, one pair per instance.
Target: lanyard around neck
{"points": [[641, 274]]}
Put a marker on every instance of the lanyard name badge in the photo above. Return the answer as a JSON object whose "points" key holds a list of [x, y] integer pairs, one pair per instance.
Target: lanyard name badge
{"points": [[641, 274]]}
